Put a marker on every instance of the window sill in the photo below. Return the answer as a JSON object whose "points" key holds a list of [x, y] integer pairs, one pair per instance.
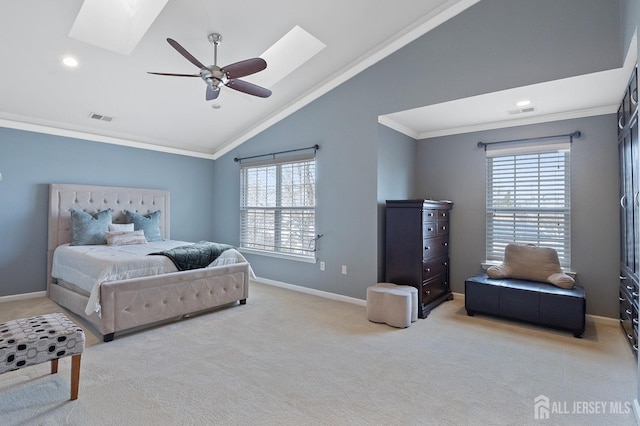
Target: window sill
{"points": [[286, 256]]}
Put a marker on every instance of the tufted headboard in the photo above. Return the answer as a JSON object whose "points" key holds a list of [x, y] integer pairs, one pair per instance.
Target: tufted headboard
{"points": [[93, 199]]}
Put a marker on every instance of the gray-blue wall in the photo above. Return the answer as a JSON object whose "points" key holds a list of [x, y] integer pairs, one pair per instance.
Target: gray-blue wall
{"points": [[30, 161], [494, 45], [454, 167], [396, 178]]}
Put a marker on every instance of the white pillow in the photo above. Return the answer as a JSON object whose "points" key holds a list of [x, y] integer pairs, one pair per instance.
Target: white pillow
{"points": [[123, 238], [121, 227]]}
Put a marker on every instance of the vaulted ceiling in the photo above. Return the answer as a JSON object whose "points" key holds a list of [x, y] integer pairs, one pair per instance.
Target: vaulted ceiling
{"points": [[171, 114]]}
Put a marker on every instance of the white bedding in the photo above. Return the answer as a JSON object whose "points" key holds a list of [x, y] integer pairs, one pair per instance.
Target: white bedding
{"points": [[89, 266]]}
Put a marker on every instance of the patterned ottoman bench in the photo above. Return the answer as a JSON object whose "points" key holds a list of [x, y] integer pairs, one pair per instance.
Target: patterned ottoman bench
{"points": [[31, 341]]}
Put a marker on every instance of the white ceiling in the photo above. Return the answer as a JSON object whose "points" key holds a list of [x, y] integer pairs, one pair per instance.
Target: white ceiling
{"points": [[170, 113], [581, 96]]}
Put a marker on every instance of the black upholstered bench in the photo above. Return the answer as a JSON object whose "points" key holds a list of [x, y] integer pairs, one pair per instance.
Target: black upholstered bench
{"points": [[531, 301]]}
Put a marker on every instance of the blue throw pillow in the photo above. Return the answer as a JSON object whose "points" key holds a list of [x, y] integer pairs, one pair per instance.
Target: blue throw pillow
{"points": [[149, 223], [87, 229]]}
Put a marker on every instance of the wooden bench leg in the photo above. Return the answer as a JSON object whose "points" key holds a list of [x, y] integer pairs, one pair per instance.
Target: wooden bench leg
{"points": [[54, 366], [75, 376]]}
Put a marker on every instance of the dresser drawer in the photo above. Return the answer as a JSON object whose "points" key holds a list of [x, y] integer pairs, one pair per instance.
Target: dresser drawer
{"points": [[435, 247], [429, 215], [443, 228], [431, 268], [629, 288], [443, 215], [430, 229], [629, 319], [434, 288]]}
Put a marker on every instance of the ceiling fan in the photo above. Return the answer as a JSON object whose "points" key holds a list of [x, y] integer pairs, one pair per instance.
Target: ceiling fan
{"points": [[228, 76]]}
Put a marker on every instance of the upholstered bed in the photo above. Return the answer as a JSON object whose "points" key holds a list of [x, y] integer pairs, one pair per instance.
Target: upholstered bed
{"points": [[131, 303]]}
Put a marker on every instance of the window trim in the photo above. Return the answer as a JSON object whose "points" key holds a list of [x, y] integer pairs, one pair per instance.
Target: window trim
{"points": [[566, 210], [311, 257]]}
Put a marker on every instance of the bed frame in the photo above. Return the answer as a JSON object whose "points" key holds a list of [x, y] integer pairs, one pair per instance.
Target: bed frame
{"points": [[133, 303]]}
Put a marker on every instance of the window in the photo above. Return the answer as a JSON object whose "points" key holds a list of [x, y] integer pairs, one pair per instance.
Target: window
{"points": [[528, 200], [277, 206]]}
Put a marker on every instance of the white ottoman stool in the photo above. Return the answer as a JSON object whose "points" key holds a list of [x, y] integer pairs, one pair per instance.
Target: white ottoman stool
{"points": [[414, 297], [389, 305]]}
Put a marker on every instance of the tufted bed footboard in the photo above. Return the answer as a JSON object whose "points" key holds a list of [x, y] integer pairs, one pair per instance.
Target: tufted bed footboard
{"points": [[129, 304]]}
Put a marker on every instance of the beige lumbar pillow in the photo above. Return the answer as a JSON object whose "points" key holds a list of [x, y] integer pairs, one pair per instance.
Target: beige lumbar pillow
{"points": [[531, 263]]}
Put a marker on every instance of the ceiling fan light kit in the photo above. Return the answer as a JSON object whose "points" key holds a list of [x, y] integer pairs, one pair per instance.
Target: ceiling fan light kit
{"points": [[228, 76]]}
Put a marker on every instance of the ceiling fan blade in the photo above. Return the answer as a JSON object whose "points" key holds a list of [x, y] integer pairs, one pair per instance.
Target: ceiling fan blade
{"points": [[249, 88], [244, 68], [173, 74], [212, 93], [184, 53]]}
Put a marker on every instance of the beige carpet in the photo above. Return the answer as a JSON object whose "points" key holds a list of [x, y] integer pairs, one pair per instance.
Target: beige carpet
{"points": [[288, 358]]}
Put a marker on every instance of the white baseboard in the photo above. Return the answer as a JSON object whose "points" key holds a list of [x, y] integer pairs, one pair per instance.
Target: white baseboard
{"points": [[325, 294], [596, 319], [23, 296]]}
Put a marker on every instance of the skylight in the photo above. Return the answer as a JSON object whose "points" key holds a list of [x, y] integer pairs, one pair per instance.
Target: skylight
{"points": [[116, 25], [286, 55]]}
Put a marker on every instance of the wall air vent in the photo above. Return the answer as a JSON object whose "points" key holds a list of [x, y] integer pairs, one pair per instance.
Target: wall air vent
{"points": [[100, 117]]}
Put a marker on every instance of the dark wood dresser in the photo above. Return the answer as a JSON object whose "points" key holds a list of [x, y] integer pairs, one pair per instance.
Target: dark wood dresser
{"points": [[417, 249]]}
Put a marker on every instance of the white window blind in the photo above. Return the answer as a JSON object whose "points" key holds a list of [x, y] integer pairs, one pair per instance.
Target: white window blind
{"points": [[529, 201], [277, 206]]}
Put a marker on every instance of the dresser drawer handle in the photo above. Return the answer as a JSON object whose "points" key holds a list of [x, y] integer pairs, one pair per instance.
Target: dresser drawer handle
{"points": [[427, 247], [444, 244], [634, 96], [621, 122], [622, 299], [629, 287], [622, 278], [634, 294], [430, 229], [630, 337], [635, 321], [427, 269], [628, 312], [444, 228], [635, 348]]}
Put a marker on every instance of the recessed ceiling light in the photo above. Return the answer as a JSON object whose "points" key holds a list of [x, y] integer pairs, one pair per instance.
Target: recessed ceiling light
{"points": [[523, 103], [70, 61]]}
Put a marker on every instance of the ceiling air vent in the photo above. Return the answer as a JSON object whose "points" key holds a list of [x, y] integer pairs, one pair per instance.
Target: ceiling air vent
{"points": [[521, 110], [100, 117]]}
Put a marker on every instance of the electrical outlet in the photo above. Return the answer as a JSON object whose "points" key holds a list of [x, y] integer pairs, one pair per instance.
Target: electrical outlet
{"points": [[322, 266], [344, 269]]}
